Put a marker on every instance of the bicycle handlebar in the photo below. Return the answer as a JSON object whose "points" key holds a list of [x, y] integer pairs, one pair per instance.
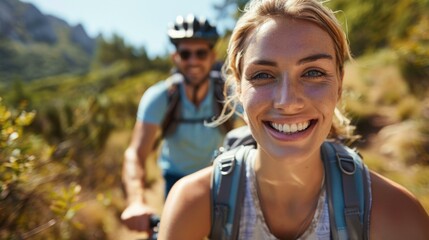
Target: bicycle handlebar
{"points": [[154, 226]]}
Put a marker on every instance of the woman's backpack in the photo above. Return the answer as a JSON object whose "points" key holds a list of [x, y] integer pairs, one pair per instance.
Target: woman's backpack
{"points": [[347, 187]]}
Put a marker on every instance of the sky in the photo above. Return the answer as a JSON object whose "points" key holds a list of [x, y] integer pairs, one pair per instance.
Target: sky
{"points": [[139, 22]]}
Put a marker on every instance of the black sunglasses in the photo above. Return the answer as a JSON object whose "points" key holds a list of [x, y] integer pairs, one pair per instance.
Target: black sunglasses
{"points": [[201, 54]]}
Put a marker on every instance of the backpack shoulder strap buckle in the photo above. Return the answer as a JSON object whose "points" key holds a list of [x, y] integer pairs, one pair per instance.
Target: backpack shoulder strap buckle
{"points": [[227, 164], [346, 163]]}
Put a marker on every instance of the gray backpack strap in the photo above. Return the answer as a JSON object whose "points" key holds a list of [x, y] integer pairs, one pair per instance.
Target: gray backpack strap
{"points": [[352, 212], [348, 192], [367, 203], [227, 193], [237, 137]]}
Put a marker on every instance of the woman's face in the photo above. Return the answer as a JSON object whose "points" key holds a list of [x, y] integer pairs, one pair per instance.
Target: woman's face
{"points": [[289, 88]]}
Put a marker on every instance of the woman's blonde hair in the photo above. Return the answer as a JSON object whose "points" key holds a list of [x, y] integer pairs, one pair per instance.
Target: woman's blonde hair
{"points": [[255, 14]]}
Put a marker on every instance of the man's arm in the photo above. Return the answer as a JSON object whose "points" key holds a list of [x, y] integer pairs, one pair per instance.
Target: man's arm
{"points": [[136, 215]]}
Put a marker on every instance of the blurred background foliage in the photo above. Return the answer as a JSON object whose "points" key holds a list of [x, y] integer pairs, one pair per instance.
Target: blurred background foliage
{"points": [[67, 112]]}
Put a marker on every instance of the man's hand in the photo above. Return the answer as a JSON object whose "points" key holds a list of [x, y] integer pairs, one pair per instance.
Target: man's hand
{"points": [[137, 216]]}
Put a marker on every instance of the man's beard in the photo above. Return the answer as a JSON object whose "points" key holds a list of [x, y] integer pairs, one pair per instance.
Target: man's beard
{"points": [[195, 82]]}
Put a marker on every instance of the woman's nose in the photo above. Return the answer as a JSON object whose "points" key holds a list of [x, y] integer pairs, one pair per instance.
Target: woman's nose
{"points": [[288, 95]]}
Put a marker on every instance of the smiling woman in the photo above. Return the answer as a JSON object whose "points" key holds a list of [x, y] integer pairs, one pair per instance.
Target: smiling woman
{"points": [[303, 87], [285, 63]]}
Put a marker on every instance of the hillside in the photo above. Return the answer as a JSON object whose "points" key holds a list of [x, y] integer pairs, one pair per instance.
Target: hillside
{"points": [[64, 127], [35, 45]]}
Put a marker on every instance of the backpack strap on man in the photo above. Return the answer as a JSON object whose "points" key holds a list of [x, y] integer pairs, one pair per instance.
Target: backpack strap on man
{"points": [[348, 192], [219, 97], [174, 108], [227, 192], [168, 124]]}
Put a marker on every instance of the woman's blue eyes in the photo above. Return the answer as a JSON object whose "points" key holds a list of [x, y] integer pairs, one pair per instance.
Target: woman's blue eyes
{"points": [[308, 74], [262, 76], [313, 74]]}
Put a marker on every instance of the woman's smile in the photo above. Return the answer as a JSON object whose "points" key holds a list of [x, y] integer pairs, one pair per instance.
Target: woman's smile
{"points": [[290, 131], [290, 128]]}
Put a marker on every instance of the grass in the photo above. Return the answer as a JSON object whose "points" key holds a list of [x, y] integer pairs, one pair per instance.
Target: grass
{"points": [[377, 96]]}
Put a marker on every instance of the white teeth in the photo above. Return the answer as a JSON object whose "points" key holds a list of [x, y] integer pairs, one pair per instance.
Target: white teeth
{"points": [[291, 128], [285, 128]]}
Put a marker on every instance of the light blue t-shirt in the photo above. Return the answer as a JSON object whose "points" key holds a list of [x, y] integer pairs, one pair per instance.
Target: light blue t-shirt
{"points": [[191, 146]]}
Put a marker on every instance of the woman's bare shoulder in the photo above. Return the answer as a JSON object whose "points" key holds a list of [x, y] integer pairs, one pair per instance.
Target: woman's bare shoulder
{"points": [[186, 214], [396, 213]]}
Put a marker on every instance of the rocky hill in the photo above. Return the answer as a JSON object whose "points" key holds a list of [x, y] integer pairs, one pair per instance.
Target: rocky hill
{"points": [[35, 45]]}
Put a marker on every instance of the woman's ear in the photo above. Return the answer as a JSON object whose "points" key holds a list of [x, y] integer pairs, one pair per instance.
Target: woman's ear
{"points": [[240, 103]]}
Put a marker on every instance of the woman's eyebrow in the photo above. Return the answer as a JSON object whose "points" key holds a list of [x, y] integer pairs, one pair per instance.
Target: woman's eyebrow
{"points": [[307, 59], [263, 62], [315, 57]]}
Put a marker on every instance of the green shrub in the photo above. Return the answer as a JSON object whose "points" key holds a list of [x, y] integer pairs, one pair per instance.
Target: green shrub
{"points": [[413, 55], [30, 206]]}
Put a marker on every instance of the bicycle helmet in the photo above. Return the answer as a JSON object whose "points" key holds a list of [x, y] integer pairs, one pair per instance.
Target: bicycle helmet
{"points": [[192, 28]]}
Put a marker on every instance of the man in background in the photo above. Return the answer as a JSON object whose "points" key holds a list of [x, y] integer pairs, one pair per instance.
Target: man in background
{"points": [[177, 108]]}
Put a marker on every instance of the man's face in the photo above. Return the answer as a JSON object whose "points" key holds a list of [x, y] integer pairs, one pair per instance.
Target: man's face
{"points": [[194, 59]]}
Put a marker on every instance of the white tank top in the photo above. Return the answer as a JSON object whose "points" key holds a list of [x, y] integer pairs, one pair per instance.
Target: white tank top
{"points": [[252, 222]]}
